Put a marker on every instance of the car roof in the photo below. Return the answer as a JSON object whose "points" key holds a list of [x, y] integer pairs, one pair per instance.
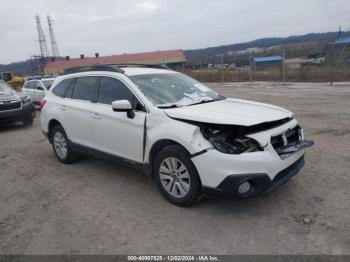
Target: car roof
{"points": [[132, 71], [128, 71]]}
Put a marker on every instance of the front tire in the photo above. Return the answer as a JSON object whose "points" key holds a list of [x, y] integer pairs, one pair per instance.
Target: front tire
{"points": [[176, 176], [61, 146]]}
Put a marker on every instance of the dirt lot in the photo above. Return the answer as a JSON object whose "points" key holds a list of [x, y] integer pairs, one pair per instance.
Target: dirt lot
{"points": [[98, 207]]}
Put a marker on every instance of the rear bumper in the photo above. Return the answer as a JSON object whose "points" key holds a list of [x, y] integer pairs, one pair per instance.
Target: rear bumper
{"points": [[17, 115], [261, 182]]}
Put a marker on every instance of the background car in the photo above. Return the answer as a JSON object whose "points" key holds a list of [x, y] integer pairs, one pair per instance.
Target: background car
{"points": [[36, 88], [15, 106]]}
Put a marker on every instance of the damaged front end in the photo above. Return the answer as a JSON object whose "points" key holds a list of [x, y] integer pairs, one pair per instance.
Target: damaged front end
{"points": [[235, 139], [229, 139], [248, 160], [290, 141]]}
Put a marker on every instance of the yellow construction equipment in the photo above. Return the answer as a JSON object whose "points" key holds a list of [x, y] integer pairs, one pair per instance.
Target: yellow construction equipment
{"points": [[15, 81]]}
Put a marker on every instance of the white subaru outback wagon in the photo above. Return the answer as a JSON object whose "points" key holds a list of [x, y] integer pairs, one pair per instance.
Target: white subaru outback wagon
{"points": [[190, 139]]}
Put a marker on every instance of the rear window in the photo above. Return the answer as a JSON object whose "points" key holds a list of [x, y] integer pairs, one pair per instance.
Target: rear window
{"points": [[84, 88], [61, 88]]}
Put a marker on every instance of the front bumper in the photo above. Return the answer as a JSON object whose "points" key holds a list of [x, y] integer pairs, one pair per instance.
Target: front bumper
{"points": [[266, 170], [17, 115], [261, 183]]}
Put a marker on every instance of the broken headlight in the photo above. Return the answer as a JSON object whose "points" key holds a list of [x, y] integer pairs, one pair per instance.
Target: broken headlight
{"points": [[227, 143], [235, 146]]}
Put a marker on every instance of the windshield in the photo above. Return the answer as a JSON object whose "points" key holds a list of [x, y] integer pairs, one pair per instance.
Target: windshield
{"points": [[5, 88], [173, 89], [47, 83]]}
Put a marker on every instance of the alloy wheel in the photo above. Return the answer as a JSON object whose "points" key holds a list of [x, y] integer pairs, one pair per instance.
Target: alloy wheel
{"points": [[60, 145], [174, 177]]}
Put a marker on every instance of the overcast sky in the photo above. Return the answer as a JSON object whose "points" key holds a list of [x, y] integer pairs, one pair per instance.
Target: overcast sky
{"points": [[116, 26]]}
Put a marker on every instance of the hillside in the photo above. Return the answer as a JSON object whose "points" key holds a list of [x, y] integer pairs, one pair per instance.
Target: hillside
{"points": [[19, 68], [261, 43], [25, 67]]}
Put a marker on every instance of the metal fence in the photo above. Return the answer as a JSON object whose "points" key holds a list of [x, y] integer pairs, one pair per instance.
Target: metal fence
{"points": [[320, 62]]}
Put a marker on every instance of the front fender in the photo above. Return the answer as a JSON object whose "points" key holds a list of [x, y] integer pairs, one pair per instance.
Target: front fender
{"points": [[161, 127]]}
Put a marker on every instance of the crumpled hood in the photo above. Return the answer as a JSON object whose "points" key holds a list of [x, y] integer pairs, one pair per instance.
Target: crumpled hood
{"points": [[230, 112]]}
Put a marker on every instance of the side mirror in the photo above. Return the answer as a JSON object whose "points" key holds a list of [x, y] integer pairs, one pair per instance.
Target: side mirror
{"points": [[40, 88], [123, 106]]}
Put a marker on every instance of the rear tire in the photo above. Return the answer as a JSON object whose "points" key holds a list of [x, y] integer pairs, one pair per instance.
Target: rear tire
{"points": [[176, 176], [62, 147]]}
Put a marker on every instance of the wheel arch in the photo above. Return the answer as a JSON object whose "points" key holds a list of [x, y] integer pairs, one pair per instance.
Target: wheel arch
{"points": [[51, 126], [157, 147]]}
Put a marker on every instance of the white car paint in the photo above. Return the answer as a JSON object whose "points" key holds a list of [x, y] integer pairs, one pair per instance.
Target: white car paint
{"points": [[230, 112], [77, 118], [114, 133], [97, 126], [36, 88]]}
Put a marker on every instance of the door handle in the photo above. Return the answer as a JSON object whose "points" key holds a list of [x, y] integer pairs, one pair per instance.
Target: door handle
{"points": [[95, 115], [63, 108]]}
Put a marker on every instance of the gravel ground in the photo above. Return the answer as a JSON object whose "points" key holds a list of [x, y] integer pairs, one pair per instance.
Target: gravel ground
{"points": [[98, 207]]}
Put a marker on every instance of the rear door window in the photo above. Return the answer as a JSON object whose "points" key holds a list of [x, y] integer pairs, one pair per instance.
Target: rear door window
{"points": [[84, 88]]}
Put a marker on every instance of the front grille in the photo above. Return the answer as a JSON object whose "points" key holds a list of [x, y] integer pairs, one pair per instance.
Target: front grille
{"points": [[287, 138], [9, 105], [293, 135]]}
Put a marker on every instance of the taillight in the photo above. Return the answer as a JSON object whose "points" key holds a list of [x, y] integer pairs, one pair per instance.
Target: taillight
{"points": [[42, 102]]}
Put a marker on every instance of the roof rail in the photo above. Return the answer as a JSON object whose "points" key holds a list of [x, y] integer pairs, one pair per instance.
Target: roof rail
{"points": [[98, 67], [158, 66], [110, 68]]}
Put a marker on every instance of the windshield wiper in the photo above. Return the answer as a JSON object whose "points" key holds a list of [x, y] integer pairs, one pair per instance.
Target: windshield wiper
{"points": [[204, 101]]}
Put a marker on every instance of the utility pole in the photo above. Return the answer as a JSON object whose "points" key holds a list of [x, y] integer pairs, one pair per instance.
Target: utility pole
{"points": [[332, 63], [222, 69], [54, 47], [284, 64], [339, 33], [44, 51], [34, 59], [250, 68], [221, 56]]}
